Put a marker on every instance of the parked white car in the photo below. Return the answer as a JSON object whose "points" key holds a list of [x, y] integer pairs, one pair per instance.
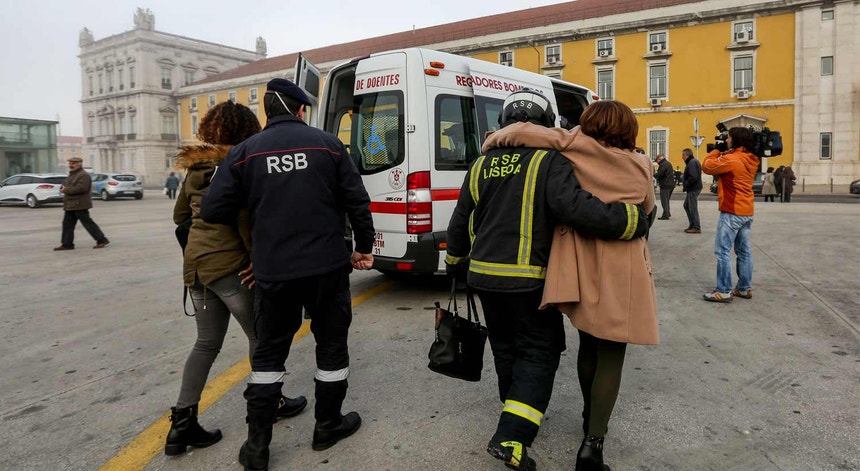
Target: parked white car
{"points": [[32, 189]]}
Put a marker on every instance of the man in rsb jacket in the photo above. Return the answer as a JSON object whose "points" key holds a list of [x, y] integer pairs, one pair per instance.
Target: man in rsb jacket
{"points": [[300, 185], [499, 237]]}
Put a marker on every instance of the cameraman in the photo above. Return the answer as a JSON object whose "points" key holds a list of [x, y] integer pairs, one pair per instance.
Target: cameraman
{"points": [[734, 162]]}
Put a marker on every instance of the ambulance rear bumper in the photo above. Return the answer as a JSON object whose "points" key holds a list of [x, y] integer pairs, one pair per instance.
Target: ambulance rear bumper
{"points": [[421, 258]]}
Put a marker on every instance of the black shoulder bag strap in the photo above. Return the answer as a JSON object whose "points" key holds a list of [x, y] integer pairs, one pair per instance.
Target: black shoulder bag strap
{"points": [[471, 305]]}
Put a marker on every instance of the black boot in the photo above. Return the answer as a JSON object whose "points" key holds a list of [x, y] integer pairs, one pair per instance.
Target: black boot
{"points": [[254, 454], [288, 407], [329, 432], [590, 455], [513, 454], [185, 432]]}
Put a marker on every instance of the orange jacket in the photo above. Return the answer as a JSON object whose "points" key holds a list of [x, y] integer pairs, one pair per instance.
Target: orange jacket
{"points": [[736, 169]]}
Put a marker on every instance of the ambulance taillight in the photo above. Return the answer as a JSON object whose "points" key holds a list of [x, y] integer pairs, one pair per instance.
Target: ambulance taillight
{"points": [[419, 205]]}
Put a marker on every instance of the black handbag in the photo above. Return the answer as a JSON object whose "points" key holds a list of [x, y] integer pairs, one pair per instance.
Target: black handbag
{"points": [[458, 350]]}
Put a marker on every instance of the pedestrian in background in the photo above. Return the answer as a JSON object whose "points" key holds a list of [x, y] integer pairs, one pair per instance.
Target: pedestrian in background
{"points": [[777, 181], [504, 256], [216, 263], [692, 186], [77, 201], [736, 165], [768, 189], [787, 178], [300, 185], [171, 184], [666, 181]]}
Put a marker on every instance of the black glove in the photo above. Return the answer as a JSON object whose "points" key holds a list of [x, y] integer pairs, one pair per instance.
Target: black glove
{"points": [[651, 218], [458, 272], [642, 224]]}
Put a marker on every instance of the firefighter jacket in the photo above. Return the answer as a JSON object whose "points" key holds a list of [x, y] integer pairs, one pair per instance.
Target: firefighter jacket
{"points": [[509, 203], [300, 186]]}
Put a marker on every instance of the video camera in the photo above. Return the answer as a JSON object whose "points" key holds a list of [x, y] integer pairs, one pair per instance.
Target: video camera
{"points": [[767, 143]]}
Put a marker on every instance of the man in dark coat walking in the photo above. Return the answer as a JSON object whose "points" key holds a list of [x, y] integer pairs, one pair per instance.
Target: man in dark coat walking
{"points": [[666, 180], [77, 202], [692, 185]]}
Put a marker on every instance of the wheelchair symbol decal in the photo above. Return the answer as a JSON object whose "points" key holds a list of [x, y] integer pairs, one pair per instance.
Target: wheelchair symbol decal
{"points": [[374, 142]]}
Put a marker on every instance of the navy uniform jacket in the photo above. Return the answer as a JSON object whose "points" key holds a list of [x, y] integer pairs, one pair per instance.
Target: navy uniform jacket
{"points": [[300, 185], [508, 205]]}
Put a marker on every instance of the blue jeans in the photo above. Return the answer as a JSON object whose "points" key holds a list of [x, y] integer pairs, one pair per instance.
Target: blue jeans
{"points": [[733, 230]]}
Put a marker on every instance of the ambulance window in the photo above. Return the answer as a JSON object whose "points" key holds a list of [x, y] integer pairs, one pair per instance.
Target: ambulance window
{"points": [[488, 115], [378, 141], [457, 141], [571, 103]]}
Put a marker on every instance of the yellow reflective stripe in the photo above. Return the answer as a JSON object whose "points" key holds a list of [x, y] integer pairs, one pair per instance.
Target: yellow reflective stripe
{"points": [[507, 269], [523, 410], [472, 227], [474, 177], [452, 260], [527, 211], [632, 222]]}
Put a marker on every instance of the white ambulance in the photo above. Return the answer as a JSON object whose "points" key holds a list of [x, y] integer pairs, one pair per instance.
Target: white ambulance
{"points": [[413, 121]]}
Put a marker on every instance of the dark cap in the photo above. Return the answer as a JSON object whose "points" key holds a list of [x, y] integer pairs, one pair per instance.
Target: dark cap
{"points": [[74, 159], [288, 89]]}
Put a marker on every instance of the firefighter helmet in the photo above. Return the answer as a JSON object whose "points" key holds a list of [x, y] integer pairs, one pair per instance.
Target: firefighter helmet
{"points": [[529, 105]]}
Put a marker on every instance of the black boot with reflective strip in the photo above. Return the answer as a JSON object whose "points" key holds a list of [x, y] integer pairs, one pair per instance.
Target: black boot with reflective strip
{"points": [[590, 455], [288, 407], [254, 454], [185, 432], [513, 453]]}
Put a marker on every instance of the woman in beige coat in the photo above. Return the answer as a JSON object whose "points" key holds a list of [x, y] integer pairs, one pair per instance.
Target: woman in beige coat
{"points": [[605, 286]]}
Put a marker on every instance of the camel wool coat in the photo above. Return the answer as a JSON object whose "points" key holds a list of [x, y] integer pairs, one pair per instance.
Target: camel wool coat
{"points": [[615, 299]]}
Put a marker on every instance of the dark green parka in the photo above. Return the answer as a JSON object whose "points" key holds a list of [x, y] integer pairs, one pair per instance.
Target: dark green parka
{"points": [[214, 250]]}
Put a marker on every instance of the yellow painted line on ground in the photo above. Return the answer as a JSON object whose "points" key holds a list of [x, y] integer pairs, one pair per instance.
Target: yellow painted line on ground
{"points": [[137, 454]]}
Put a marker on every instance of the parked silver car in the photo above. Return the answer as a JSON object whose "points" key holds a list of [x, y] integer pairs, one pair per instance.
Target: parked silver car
{"points": [[111, 185], [32, 189]]}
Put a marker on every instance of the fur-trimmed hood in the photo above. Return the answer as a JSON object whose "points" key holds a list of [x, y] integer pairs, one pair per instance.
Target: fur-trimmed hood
{"points": [[191, 155]]}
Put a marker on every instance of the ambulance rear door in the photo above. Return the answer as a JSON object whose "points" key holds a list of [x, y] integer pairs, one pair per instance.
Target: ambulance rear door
{"points": [[378, 145], [453, 138], [307, 77]]}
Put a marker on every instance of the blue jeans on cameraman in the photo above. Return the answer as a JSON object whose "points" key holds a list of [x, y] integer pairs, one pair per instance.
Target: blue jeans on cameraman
{"points": [[733, 231]]}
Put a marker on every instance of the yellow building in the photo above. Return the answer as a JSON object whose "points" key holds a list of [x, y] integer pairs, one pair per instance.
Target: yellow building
{"points": [[682, 65], [738, 72]]}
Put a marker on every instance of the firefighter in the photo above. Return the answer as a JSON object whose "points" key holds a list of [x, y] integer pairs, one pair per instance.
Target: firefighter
{"points": [[300, 186], [499, 238]]}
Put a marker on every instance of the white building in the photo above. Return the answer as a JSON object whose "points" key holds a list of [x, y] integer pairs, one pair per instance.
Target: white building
{"points": [[827, 93], [127, 98]]}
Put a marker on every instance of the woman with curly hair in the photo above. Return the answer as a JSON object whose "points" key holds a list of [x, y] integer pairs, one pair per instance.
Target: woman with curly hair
{"points": [[217, 265]]}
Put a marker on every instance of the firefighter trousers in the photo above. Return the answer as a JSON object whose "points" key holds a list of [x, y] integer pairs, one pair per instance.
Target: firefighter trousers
{"points": [[527, 343], [278, 311]]}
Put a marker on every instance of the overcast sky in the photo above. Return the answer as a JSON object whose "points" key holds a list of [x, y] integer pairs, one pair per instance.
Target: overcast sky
{"points": [[40, 72]]}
